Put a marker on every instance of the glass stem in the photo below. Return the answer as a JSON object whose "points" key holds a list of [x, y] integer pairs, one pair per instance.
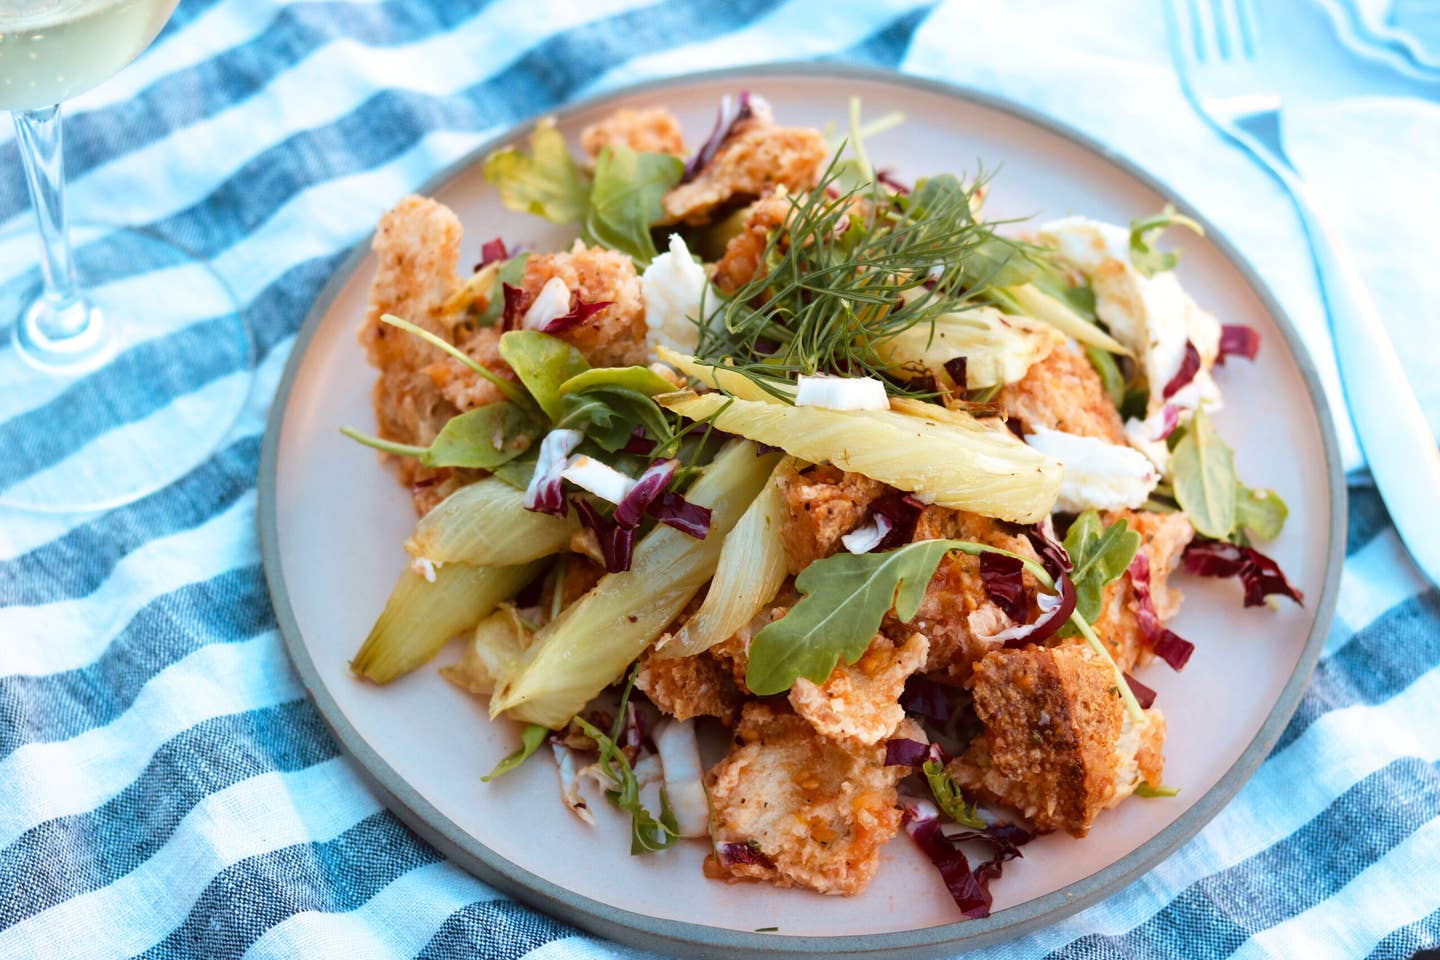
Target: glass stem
{"points": [[41, 151]]}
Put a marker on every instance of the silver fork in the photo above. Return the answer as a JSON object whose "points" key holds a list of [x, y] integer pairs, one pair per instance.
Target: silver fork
{"points": [[1217, 52]]}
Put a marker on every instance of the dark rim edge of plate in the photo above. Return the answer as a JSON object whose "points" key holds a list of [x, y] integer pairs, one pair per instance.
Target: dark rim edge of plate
{"points": [[693, 939]]}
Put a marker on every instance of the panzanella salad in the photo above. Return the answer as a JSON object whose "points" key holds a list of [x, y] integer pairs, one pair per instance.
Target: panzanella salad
{"points": [[815, 456]]}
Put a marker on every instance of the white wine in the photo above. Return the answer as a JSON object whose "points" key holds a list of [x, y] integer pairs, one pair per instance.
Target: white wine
{"points": [[50, 50]]}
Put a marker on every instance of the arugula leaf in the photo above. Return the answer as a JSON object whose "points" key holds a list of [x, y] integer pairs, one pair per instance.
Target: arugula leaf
{"points": [[626, 199], [640, 379], [845, 598], [1145, 790], [483, 438], [531, 738], [512, 271], [1203, 472], [1151, 262], [545, 182], [543, 363], [608, 415], [949, 798], [480, 439], [1078, 297], [1099, 557], [1104, 363], [648, 833], [1261, 513]]}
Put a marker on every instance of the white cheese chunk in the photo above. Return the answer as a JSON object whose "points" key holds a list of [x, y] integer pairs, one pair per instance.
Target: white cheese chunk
{"points": [[552, 301], [673, 286], [841, 393], [684, 775], [1097, 475], [601, 479]]}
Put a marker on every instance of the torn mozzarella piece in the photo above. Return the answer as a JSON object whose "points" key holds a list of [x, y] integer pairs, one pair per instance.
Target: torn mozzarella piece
{"points": [[424, 567], [868, 535], [673, 286], [683, 773], [1152, 316], [1097, 475], [551, 302], [570, 772], [841, 393], [601, 479]]}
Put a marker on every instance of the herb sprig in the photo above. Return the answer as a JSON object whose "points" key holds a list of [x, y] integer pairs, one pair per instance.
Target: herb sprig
{"points": [[833, 282]]}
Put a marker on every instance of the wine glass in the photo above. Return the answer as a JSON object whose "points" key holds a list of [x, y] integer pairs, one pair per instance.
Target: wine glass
{"points": [[128, 361]]}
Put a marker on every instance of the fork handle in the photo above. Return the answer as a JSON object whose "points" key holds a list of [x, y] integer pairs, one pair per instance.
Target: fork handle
{"points": [[1393, 431]]}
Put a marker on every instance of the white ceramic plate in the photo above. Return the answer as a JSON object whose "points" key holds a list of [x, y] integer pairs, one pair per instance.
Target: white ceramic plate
{"points": [[333, 520]]}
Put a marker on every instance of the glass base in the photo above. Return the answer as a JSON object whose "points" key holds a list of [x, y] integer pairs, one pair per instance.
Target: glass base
{"points": [[147, 389]]}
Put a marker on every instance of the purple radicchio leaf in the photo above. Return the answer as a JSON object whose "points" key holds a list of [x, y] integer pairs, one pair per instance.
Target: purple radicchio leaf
{"points": [[1166, 644], [731, 113], [1260, 575], [673, 510], [580, 311], [1004, 582], [490, 252], [648, 486], [1143, 694], [1237, 340], [617, 543], [1189, 366]]}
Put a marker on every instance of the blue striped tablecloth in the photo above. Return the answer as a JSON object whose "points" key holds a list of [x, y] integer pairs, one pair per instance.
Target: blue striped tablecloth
{"points": [[166, 789]]}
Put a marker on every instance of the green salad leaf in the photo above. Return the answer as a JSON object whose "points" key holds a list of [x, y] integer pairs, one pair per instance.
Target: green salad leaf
{"points": [[543, 363], [609, 414], [1261, 513], [510, 272], [626, 199], [531, 738], [545, 181], [480, 439], [949, 798], [640, 379], [844, 599], [1099, 556], [1104, 363], [1203, 471], [1150, 261], [1145, 790]]}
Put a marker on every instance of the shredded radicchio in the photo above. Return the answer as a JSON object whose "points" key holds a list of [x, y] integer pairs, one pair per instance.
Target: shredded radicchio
{"points": [[617, 543], [957, 368], [648, 487], [1143, 694], [969, 889], [731, 853], [1169, 420], [1014, 426], [511, 315], [580, 311], [928, 698], [1049, 548], [490, 252], [890, 180], [1237, 340], [731, 112], [1261, 576], [1004, 583], [673, 510], [1055, 609], [903, 752], [543, 494], [1166, 644], [1189, 366], [901, 510], [638, 443]]}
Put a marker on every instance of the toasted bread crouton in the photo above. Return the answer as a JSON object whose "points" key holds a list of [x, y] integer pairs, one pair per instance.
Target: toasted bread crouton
{"points": [[815, 812], [1063, 392], [1058, 745], [653, 130], [1163, 537], [859, 703], [612, 337], [417, 248], [822, 504], [757, 157], [957, 614], [685, 687], [745, 250]]}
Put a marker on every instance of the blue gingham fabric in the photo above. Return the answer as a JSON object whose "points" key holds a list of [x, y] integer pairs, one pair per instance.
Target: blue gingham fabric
{"points": [[167, 790]]}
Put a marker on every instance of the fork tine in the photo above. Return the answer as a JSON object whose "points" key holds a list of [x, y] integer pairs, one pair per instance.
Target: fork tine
{"points": [[1249, 31], [1185, 46], [1219, 25]]}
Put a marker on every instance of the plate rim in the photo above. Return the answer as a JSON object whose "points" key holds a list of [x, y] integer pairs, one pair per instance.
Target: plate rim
{"points": [[695, 939]]}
